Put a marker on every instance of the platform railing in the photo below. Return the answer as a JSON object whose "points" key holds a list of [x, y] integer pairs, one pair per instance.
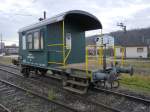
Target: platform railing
{"points": [[122, 54], [64, 58], [98, 56]]}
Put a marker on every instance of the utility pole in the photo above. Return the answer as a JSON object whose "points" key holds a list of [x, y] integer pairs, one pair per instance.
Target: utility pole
{"points": [[125, 31], [44, 16], [122, 26], [104, 53], [1, 44], [96, 41]]}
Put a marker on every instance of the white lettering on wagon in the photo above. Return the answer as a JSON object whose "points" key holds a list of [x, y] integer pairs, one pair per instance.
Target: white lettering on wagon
{"points": [[30, 57]]}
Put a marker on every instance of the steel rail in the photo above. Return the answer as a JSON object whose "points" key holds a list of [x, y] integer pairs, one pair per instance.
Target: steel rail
{"points": [[134, 98], [5, 109], [10, 66], [38, 95], [100, 90], [95, 103], [145, 101]]}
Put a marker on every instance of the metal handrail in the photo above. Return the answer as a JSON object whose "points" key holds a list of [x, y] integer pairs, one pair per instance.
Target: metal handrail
{"points": [[122, 54], [64, 59], [100, 58], [50, 45]]}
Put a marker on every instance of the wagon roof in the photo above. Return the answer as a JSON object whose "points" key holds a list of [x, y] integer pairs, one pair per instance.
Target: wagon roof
{"points": [[95, 25]]}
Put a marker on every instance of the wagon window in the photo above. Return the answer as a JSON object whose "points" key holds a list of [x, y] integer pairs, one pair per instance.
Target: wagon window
{"points": [[29, 40], [24, 42], [68, 40], [41, 40], [36, 40]]}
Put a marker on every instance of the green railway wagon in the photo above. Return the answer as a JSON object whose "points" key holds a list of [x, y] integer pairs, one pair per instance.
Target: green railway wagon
{"points": [[59, 41], [56, 41]]}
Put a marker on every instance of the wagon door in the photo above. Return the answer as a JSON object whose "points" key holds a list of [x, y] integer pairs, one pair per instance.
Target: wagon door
{"points": [[55, 40]]}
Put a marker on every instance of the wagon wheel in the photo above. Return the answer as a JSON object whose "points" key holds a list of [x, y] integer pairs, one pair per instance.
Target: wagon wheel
{"points": [[64, 81], [100, 84], [42, 72], [115, 84], [25, 72]]}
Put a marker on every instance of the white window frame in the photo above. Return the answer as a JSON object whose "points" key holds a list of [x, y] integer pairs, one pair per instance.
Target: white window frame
{"points": [[24, 42], [30, 42], [140, 49], [41, 40], [36, 40], [68, 41]]}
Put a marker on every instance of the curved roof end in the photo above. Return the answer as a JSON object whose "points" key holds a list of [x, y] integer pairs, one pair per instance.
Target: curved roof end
{"points": [[86, 20], [85, 17]]}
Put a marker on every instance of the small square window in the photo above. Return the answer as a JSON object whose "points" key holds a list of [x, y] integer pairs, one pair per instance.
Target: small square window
{"points": [[139, 50]]}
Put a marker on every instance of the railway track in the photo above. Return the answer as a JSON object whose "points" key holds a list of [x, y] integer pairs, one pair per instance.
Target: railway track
{"points": [[137, 99], [10, 66], [4, 109], [125, 102], [75, 101], [19, 99], [103, 97]]}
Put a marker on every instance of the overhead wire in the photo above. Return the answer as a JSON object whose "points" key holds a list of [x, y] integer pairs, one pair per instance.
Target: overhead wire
{"points": [[17, 14]]}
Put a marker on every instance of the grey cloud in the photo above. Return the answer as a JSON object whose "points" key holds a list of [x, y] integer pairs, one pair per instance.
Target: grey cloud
{"points": [[10, 23]]}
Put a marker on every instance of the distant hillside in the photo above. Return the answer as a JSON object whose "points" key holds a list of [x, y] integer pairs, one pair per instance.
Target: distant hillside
{"points": [[136, 37]]}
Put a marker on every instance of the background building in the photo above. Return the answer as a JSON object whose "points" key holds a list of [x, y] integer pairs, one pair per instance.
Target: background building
{"points": [[2, 45], [135, 51], [13, 49], [136, 43]]}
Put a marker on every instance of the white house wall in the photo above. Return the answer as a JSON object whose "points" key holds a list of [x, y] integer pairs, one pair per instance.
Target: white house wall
{"points": [[131, 52], [118, 53]]}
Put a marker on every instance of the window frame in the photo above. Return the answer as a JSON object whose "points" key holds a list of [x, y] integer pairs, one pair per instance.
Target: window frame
{"points": [[68, 40], [24, 42], [140, 49], [40, 37], [27, 41]]}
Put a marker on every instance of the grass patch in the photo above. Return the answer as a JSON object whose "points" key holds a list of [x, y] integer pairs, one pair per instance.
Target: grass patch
{"points": [[135, 63], [29, 94], [137, 82], [5, 60], [138, 64], [51, 94]]}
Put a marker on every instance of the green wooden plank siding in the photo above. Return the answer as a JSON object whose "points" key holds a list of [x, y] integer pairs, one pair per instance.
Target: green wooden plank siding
{"points": [[77, 54], [53, 35], [33, 57]]}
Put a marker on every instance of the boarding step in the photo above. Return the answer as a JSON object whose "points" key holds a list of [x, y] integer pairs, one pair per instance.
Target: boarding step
{"points": [[79, 76], [77, 83], [54, 77], [75, 90]]}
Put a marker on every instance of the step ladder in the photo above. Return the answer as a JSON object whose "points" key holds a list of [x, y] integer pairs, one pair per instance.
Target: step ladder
{"points": [[77, 84]]}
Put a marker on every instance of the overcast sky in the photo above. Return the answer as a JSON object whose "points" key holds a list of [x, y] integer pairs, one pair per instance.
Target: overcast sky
{"points": [[15, 14]]}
